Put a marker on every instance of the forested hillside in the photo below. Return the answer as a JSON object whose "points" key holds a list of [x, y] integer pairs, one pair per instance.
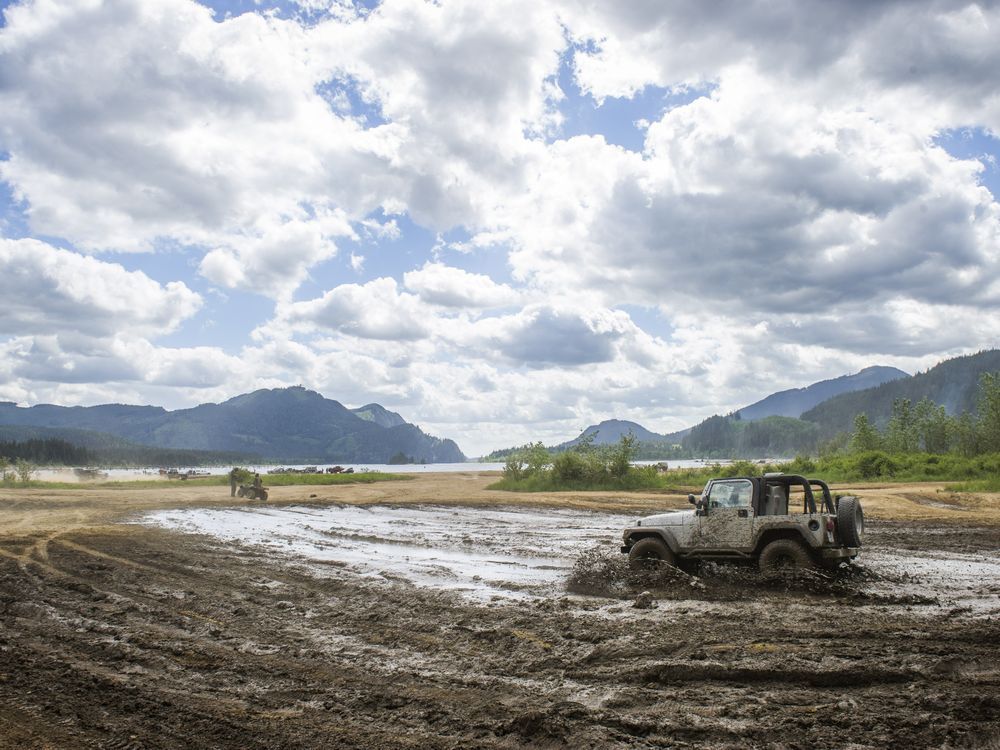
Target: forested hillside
{"points": [[795, 401], [953, 384], [68, 447]]}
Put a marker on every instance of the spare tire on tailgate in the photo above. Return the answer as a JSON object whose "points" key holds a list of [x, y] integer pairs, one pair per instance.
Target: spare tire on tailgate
{"points": [[850, 521]]}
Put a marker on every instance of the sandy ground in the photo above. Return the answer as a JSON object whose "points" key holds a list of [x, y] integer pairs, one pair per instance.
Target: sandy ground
{"points": [[118, 633]]}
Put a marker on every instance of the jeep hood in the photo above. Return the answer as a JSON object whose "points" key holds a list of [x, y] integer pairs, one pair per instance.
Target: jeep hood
{"points": [[674, 518]]}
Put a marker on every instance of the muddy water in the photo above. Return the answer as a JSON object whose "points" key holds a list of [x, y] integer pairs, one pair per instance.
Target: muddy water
{"points": [[516, 553], [509, 553]]}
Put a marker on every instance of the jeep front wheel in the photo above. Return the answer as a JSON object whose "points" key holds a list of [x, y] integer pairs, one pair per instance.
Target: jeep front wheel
{"points": [[784, 556], [647, 552]]}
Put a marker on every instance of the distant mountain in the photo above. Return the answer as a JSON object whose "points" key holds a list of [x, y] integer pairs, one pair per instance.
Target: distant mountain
{"points": [[610, 431], [281, 424], [953, 384], [790, 403], [793, 402]]}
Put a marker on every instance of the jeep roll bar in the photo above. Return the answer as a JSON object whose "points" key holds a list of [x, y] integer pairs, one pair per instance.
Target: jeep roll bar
{"points": [[789, 480]]}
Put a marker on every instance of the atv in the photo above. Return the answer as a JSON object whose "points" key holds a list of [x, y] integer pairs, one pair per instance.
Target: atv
{"points": [[251, 492]]}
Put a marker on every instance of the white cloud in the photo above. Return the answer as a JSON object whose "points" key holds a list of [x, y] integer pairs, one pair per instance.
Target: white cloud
{"points": [[773, 213], [184, 129], [47, 290], [438, 284], [275, 257], [376, 310]]}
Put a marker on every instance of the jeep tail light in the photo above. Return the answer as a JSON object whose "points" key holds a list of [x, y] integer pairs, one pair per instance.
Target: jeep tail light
{"points": [[829, 525]]}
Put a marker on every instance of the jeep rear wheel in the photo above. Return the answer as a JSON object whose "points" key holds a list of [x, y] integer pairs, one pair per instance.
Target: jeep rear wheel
{"points": [[850, 521], [649, 551], [784, 556]]}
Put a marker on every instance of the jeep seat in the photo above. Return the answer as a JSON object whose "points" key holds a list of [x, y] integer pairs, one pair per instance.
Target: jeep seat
{"points": [[775, 501]]}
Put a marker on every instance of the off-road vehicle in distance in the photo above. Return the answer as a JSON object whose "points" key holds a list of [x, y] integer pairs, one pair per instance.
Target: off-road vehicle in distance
{"points": [[252, 492], [781, 521]]}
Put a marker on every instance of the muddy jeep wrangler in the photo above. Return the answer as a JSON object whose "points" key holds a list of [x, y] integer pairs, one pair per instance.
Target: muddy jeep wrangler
{"points": [[747, 519]]}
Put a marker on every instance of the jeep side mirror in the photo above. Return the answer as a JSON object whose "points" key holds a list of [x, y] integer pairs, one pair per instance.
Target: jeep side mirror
{"points": [[691, 499]]}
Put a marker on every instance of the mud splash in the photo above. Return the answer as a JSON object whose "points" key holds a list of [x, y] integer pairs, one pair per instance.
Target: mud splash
{"points": [[597, 572]]}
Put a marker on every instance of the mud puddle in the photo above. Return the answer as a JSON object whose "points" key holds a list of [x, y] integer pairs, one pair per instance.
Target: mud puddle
{"points": [[487, 554], [508, 553]]}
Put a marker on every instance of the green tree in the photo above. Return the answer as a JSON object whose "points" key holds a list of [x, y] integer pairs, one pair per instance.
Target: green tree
{"points": [[569, 466], [24, 470], [621, 456], [5, 468], [526, 461], [865, 437], [537, 457], [513, 467], [966, 435], [989, 413], [935, 429], [901, 434]]}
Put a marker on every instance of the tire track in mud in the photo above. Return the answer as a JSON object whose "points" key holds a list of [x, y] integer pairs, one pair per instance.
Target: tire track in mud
{"points": [[151, 638], [684, 672], [215, 646]]}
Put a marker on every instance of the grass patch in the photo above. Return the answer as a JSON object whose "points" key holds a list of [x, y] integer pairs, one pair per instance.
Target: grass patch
{"points": [[637, 478], [992, 484], [270, 480]]}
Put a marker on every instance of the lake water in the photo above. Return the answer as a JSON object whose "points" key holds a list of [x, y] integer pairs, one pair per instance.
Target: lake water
{"points": [[68, 475]]}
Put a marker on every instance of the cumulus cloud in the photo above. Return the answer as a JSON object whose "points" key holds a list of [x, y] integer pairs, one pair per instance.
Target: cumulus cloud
{"points": [[47, 290], [742, 208], [273, 260], [376, 310], [465, 81], [438, 284], [184, 129], [546, 337]]}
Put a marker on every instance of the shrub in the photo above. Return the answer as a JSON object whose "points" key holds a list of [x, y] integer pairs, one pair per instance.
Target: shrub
{"points": [[569, 466], [513, 468], [800, 465], [873, 464]]}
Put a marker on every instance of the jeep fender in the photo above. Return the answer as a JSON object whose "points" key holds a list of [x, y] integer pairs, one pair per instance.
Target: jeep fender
{"points": [[790, 531], [633, 535]]}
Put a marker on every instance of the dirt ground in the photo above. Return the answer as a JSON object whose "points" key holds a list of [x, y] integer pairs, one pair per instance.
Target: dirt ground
{"points": [[117, 633]]}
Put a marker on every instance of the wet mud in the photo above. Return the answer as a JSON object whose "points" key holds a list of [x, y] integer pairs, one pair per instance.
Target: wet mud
{"points": [[139, 636]]}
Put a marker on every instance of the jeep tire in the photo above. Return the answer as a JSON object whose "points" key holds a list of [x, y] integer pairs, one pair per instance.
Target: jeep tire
{"points": [[650, 549], [850, 521], [784, 556]]}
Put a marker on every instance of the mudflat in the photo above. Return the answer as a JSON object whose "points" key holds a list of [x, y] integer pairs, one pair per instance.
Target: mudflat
{"points": [[117, 633]]}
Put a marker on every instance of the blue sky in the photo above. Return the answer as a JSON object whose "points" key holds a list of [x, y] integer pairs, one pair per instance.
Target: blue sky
{"points": [[504, 221]]}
